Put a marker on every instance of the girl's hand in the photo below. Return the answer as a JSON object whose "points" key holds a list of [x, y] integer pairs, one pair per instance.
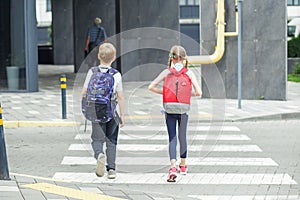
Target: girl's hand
{"points": [[197, 94]]}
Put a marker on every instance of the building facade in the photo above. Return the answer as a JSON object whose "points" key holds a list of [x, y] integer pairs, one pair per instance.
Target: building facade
{"points": [[144, 36], [18, 46], [293, 9]]}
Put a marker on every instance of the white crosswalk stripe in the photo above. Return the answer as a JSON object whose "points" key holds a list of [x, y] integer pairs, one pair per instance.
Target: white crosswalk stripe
{"points": [[209, 161], [163, 128], [246, 197], [157, 147], [165, 137], [146, 149], [5, 188]]}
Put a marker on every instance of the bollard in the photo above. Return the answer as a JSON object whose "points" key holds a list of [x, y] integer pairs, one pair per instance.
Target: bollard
{"points": [[4, 175], [63, 86]]}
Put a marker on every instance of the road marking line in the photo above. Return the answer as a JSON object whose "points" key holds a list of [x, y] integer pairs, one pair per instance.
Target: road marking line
{"points": [[165, 137], [139, 112], [14, 124], [5, 188], [40, 178], [206, 161], [153, 148], [34, 112], [163, 128], [190, 178], [16, 108], [245, 197], [162, 117], [69, 192]]}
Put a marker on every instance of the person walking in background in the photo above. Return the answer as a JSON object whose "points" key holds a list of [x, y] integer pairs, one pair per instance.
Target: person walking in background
{"points": [[176, 91], [101, 92], [95, 36]]}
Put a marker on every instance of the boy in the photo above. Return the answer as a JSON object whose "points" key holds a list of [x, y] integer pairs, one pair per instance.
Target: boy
{"points": [[108, 131]]}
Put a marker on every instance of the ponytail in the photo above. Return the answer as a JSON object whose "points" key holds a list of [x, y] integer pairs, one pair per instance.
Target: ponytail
{"points": [[170, 63], [186, 63]]}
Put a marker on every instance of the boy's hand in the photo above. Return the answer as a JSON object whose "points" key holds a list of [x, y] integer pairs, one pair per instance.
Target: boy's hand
{"points": [[122, 121]]}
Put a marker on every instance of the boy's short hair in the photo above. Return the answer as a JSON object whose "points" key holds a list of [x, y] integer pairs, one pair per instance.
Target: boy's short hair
{"points": [[107, 52], [97, 21]]}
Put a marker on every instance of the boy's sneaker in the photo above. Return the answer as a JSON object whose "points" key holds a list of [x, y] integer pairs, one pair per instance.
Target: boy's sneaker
{"points": [[183, 170], [111, 174], [100, 169], [172, 175]]}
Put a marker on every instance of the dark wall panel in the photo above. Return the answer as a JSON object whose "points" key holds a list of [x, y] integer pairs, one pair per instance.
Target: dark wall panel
{"points": [[143, 47], [62, 31], [84, 15], [264, 48], [4, 40]]}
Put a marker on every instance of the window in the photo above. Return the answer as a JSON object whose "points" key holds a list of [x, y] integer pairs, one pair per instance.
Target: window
{"points": [[293, 2], [291, 31], [182, 2], [189, 12], [48, 6], [189, 2], [189, 9]]}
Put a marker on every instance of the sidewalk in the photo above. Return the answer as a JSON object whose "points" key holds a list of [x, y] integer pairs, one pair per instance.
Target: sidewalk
{"points": [[35, 188], [43, 108]]}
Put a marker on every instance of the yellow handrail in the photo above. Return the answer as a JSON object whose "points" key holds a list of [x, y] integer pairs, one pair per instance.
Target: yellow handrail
{"points": [[233, 34], [220, 48], [219, 51]]}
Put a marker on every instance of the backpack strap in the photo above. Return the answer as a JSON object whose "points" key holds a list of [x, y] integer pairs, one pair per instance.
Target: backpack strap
{"points": [[172, 70], [98, 34], [95, 69], [183, 70], [112, 71]]}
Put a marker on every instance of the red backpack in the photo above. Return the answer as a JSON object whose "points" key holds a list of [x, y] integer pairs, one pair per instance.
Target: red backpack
{"points": [[177, 91]]}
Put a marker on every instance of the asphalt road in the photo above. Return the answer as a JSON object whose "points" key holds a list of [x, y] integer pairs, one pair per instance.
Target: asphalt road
{"points": [[39, 151]]}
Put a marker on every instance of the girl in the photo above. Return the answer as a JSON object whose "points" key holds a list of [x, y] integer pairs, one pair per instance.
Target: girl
{"points": [[177, 64]]}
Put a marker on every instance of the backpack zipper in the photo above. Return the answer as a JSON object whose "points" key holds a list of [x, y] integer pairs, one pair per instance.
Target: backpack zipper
{"points": [[176, 89]]}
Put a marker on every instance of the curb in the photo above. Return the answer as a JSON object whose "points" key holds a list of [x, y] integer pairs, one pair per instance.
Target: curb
{"points": [[281, 116], [17, 124]]}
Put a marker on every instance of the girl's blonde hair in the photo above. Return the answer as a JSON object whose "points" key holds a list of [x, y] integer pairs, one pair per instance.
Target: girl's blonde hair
{"points": [[178, 53], [107, 52]]}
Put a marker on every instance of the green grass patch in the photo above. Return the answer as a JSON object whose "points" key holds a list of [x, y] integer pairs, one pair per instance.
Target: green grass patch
{"points": [[294, 77], [194, 66]]}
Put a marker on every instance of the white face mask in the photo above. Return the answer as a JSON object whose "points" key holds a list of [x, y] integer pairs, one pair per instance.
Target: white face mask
{"points": [[178, 66]]}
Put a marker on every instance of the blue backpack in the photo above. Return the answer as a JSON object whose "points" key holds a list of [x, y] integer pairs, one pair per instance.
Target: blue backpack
{"points": [[100, 103]]}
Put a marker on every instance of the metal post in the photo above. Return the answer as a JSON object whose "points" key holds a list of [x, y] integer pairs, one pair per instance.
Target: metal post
{"points": [[240, 55], [63, 86], [4, 174]]}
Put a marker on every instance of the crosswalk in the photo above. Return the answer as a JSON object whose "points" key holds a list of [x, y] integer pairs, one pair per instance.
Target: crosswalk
{"points": [[142, 158]]}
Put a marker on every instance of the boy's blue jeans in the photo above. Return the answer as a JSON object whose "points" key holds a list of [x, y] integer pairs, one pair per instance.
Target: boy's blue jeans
{"points": [[105, 132], [171, 121]]}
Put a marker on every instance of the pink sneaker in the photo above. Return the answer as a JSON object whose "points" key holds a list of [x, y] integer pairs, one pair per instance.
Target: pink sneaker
{"points": [[183, 170], [172, 175]]}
